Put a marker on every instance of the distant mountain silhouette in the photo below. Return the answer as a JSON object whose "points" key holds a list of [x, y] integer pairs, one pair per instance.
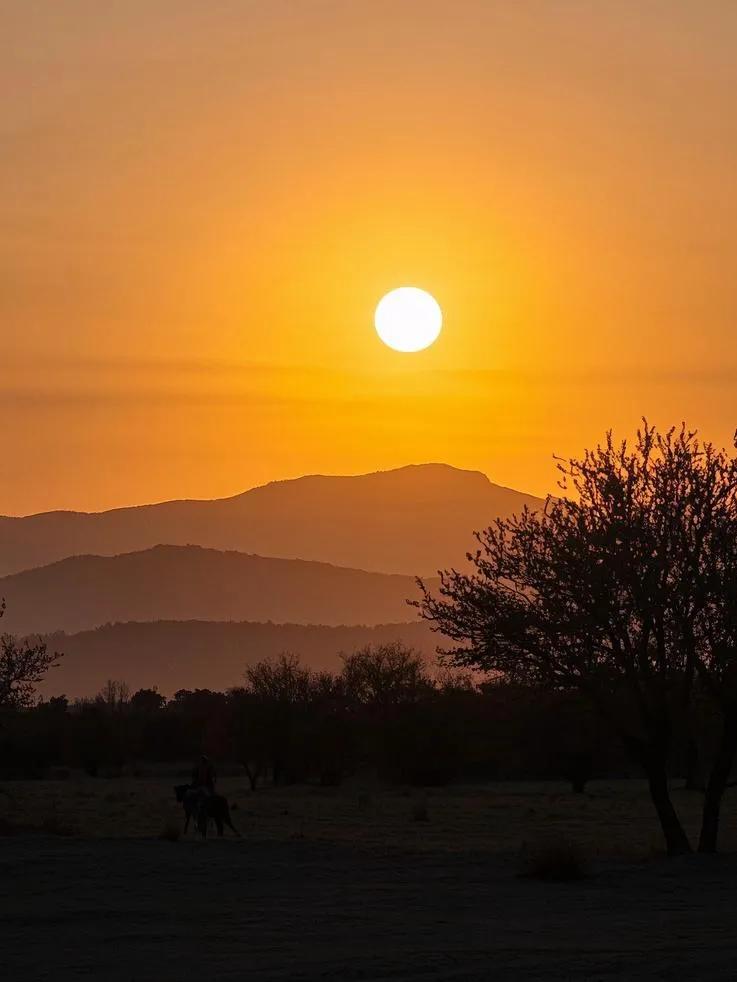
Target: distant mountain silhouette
{"points": [[196, 654], [190, 582], [413, 520]]}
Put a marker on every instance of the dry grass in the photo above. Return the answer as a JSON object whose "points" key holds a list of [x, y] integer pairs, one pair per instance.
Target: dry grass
{"points": [[614, 818]]}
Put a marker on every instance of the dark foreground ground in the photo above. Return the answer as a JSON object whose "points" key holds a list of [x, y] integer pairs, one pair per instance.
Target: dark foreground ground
{"points": [[147, 909], [356, 883]]}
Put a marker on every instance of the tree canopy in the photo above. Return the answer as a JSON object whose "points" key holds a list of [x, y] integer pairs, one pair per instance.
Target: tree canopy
{"points": [[622, 587]]}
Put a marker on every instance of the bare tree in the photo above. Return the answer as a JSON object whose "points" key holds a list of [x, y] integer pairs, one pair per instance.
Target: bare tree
{"points": [[114, 694], [271, 717], [280, 680], [604, 591], [384, 675]]}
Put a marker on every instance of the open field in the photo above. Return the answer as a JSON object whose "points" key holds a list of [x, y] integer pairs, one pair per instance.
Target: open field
{"points": [[346, 884], [613, 819]]}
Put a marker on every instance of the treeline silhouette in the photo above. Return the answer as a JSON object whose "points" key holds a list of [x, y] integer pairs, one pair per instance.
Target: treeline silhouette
{"points": [[383, 713]]}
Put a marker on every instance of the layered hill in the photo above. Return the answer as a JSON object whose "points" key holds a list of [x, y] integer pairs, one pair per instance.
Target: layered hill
{"points": [[191, 582], [413, 520], [175, 655]]}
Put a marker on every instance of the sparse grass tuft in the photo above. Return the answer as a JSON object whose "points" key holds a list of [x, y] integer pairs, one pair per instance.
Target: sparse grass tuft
{"points": [[420, 811], [8, 827], [53, 824], [170, 830], [554, 860]]}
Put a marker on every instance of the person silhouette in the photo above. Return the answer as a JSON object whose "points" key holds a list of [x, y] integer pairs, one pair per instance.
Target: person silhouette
{"points": [[203, 775]]}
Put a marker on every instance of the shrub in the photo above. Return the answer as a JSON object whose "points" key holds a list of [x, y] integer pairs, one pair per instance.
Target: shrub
{"points": [[8, 827], [557, 861], [420, 812], [53, 824]]}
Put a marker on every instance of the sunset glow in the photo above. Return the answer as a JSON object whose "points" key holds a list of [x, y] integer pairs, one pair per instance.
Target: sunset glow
{"points": [[198, 225]]}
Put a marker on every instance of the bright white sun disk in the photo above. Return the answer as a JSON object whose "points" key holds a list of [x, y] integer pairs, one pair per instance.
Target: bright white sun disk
{"points": [[408, 319]]}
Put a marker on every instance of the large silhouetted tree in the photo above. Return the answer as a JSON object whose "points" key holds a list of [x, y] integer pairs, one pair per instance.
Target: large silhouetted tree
{"points": [[609, 590], [715, 642]]}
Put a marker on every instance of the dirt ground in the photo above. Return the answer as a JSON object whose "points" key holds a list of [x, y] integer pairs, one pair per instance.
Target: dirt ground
{"points": [[349, 884]]}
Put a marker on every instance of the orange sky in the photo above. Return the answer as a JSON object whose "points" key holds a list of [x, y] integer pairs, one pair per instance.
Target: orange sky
{"points": [[203, 202]]}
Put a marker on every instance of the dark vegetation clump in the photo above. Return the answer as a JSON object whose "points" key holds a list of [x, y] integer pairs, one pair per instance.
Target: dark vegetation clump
{"points": [[9, 827], [420, 811], [54, 824], [554, 860]]}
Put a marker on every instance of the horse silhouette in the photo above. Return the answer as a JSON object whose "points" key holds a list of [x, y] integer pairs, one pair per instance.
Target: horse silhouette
{"points": [[202, 806]]}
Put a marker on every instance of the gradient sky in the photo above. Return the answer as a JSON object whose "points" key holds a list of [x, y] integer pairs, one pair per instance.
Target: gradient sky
{"points": [[202, 203]]}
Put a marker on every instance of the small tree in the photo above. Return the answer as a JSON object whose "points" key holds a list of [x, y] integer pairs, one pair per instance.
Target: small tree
{"points": [[386, 688], [147, 701], [271, 718], [114, 695], [384, 675], [23, 664]]}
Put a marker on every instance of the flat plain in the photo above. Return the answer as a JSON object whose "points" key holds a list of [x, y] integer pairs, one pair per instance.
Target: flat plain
{"points": [[357, 882]]}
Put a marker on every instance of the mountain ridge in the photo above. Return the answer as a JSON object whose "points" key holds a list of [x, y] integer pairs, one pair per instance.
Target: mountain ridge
{"points": [[430, 465], [410, 520], [173, 582]]}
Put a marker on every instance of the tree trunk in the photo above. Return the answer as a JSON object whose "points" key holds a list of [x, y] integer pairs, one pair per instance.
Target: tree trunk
{"points": [[694, 780], [253, 774], [718, 782], [676, 840], [653, 758]]}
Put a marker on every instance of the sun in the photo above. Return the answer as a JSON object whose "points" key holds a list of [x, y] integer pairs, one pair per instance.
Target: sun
{"points": [[408, 319]]}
